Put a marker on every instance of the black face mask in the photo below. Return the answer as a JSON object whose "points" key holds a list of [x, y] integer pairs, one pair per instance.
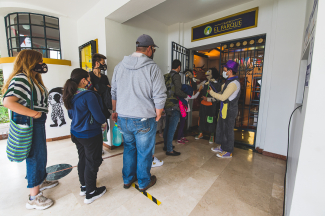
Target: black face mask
{"points": [[102, 67], [41, 68]]}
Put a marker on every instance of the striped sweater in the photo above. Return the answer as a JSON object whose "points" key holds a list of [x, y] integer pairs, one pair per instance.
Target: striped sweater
{"points": [[20, 88]]}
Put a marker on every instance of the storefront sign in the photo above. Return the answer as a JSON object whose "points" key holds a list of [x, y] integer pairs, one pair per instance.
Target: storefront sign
{"points": [[233, 23]]}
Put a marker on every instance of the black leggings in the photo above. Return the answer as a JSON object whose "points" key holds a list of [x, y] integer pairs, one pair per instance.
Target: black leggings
{"points": [[90, 158]]}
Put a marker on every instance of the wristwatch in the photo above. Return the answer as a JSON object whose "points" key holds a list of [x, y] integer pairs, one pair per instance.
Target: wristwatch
{"points": [[113, 111]]}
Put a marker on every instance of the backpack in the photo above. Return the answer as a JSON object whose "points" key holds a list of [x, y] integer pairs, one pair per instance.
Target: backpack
{"points": [[171, 100]]}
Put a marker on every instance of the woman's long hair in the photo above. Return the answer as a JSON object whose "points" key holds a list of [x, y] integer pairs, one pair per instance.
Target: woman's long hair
{"points": [[25, 63], [71, 86]]}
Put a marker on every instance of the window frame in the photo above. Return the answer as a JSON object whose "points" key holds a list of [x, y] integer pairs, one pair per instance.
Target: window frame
{"points": [[9, 37]]}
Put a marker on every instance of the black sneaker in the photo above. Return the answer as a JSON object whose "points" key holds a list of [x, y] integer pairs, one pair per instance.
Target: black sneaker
{"points": [[82, 191], [97, 194], [165, 148], [174, 153]]}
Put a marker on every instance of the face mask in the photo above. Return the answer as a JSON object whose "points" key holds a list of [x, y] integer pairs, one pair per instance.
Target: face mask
{"points": [[89, 85], [224, 74], [103, 67], [41, 68]]}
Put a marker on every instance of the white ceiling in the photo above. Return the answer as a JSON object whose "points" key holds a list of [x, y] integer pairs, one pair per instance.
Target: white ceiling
{"points": [[174, 11], [69, 8]]}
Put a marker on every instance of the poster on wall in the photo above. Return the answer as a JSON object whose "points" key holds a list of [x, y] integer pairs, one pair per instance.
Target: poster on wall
{"points": [[86, 51], [56, 102], [233, 23]]}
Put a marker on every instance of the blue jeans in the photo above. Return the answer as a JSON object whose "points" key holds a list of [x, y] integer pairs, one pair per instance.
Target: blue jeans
{"points": [[37, 158], [170, 128], [139, 140]]}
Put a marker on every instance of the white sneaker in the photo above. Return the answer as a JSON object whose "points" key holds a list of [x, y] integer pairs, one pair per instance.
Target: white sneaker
{"points": [[40, 202], [156, 162]]}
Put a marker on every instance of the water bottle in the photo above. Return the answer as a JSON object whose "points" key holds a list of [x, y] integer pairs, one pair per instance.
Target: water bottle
{"points": [[117, 136]]}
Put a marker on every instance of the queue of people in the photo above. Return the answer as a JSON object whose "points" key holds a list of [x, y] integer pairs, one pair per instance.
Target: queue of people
{"points": [[138, 96]]}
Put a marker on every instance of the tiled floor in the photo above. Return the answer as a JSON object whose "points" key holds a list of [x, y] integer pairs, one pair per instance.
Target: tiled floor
{"points": [[195, 183]]}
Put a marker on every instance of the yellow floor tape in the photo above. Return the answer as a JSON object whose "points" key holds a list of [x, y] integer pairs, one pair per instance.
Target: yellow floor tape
{"points": [[147, 195]]}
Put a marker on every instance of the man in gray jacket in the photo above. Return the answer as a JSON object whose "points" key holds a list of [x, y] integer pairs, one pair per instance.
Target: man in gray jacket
{"points": [[138, 99]]}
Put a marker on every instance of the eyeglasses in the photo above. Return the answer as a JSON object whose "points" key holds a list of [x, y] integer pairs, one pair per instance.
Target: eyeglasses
{"points": [[153, 49]]}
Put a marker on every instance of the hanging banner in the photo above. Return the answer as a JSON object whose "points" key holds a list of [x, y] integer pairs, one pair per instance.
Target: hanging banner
{"points": [[233, 23]]}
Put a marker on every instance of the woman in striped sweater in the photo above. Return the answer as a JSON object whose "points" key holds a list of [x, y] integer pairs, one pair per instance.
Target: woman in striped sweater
{"points": [[23, 81]]}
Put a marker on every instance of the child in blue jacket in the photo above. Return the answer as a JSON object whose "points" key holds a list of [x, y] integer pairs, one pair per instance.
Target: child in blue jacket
{"points": [[85, 109]]}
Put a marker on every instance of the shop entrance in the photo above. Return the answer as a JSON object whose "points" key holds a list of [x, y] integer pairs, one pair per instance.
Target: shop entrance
{"points": [[249, 54]]}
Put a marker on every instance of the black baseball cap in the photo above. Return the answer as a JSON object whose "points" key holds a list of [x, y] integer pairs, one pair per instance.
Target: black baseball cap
{"points": [[145, 41]]}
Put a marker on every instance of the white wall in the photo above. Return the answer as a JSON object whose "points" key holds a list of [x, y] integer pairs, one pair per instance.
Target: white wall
{"points": [[3, 39], [309, 191], [121, 38], [282, 55], [297, 130]]}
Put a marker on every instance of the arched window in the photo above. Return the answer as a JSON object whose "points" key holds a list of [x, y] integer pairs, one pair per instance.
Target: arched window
{"points": [[33, 31]]}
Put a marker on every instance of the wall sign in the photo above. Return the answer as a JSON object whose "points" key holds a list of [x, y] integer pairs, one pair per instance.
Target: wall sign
{"points": [[233, 23]]}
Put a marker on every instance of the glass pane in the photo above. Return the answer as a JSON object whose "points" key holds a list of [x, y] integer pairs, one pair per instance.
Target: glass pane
{"points": [[52, 22], [41, 51], [13, 19], [54, 54], [8, 32], [53, 44], [24, 30], [38, 43], [23, 18], [25, 42], [36, 19], [52, 33], [14, 52], [14, 31], [38, 31], [9, 44], [14, 43]]}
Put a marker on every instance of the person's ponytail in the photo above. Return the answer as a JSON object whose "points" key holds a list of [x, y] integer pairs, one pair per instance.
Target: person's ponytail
{"points": [[71, 86]]}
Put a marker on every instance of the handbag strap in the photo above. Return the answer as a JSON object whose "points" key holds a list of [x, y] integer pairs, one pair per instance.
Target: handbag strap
{"points": [[31, 104]]}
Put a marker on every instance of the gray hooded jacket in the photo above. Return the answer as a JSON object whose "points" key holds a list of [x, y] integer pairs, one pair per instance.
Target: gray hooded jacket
{"points": [[138, 87]]}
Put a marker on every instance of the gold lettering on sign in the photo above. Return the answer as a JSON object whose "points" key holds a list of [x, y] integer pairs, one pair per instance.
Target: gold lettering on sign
{"points": [[229, 25]]}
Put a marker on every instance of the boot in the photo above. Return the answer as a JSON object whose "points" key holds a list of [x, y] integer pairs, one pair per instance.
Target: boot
{"points": [[62, 123], [55, 123]]}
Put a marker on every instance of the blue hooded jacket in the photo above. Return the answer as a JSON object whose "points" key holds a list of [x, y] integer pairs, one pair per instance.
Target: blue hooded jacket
{"points": [[86, 114]]}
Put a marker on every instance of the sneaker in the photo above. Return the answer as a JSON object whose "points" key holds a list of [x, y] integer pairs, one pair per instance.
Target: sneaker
{"points": [[174, 153], [224, 154], [217, 149], [198, 137], [185, 140], [40, 202], [82, 191], [180, 141], [211, 141], [99, 192], [156, 162], [48, 184]]}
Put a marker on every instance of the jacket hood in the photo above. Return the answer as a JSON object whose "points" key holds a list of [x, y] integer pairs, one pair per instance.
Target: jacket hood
{"points": [[77, 96], [134, 63]]}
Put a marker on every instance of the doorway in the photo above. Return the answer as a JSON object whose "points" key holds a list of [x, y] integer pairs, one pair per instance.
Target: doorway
{"points": [[249, 54]]}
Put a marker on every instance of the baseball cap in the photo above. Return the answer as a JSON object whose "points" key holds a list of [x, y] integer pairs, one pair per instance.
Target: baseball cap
{"points": [[145, 41]]}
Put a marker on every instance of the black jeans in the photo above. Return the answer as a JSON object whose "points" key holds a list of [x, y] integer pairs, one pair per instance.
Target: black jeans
{"points": [[90, 158]]}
